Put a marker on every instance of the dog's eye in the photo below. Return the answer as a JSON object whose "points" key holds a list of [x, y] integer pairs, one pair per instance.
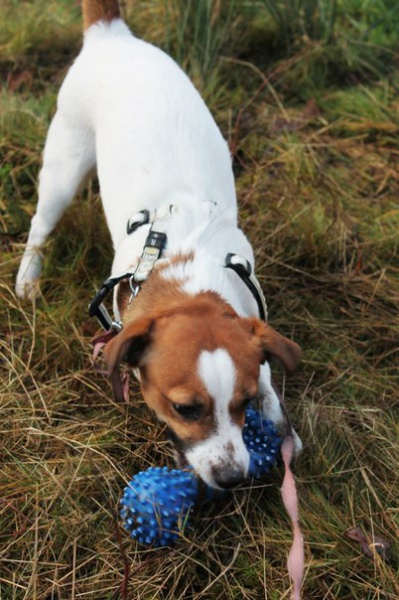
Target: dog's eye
{"points": [[189, 412]]}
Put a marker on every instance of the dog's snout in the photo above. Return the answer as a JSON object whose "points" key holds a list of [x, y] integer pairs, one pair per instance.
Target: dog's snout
{"points": [[228, 477]]}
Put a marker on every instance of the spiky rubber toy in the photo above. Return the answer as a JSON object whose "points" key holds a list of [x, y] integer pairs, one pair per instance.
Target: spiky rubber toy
{"points": [[157, 502]]}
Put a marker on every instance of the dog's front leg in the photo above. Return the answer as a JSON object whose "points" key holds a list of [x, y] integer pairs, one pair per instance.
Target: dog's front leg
{"points": [[271, 405], [68, 158]]}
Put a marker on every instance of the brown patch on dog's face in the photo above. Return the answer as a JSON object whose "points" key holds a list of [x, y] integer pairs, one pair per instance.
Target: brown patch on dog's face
{"points": [[170, 379], [168, 348]]}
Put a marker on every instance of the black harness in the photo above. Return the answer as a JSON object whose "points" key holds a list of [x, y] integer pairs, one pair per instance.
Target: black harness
{"points": [[153, 248]]}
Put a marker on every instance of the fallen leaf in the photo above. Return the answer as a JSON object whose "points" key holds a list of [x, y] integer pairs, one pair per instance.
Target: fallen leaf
{"points": [[369, 544]]}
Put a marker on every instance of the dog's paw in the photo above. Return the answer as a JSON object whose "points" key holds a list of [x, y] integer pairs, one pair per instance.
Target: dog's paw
{"points": [[272, 409], [27, 290], [27, 283], [298, 445], [281, 427]]}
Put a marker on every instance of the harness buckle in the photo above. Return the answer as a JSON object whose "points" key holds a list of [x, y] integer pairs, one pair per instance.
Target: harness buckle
{"points": [[154, 246]]}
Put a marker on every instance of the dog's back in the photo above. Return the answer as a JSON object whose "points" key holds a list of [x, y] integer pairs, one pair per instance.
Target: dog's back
{"points": [[155, 139], [127, 110]]}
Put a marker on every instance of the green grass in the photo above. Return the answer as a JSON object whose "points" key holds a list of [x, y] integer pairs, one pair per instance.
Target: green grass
{"points": [[312, 122]]}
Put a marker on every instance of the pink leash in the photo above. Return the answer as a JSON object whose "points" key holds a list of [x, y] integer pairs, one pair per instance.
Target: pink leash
{"points": [[120, 385], [296, 557], [98, 344]]}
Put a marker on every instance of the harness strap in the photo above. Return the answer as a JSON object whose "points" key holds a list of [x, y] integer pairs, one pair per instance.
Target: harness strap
{"points": [[153, 248], [97, 308], [155, 242], [243, 268]]}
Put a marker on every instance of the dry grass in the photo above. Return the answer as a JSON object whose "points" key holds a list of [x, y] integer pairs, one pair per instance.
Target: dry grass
{"points": [[318, 188]]}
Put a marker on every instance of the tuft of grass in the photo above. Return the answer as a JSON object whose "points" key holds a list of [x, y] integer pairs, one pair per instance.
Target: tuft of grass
{"points": [[315, 19], [30, 32], [319, 43], [196, 34], [317, 180]]}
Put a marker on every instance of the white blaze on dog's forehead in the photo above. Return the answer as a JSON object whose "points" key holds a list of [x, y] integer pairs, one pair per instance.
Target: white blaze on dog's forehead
{"points": [[225, 446], [217, 372]]}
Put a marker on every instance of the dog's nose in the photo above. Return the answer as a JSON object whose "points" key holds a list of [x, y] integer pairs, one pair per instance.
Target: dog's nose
{"points": [[228, 478]]}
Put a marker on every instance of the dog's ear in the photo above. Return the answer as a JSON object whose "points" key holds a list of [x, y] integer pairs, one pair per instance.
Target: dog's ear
{"points": [[130, 345], [273, 344]]}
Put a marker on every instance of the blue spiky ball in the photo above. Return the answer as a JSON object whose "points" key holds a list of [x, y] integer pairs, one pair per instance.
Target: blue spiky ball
{"points": [[157, 502]]}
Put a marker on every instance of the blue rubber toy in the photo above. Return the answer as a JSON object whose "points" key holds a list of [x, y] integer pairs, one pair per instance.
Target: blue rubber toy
{"points": [[157, 502]]}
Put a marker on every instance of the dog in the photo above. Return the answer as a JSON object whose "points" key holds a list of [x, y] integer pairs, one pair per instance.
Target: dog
{"points": [[188, 319]]}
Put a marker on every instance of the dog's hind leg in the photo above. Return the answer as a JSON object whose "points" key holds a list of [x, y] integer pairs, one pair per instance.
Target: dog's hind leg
{"points": [[69, 156]]}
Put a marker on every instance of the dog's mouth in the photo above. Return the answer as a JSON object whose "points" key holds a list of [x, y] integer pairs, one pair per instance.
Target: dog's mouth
{"points": [[216, 466], [179, 448]]}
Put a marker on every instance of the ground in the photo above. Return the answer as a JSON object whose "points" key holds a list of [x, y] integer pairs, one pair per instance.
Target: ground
{"points": [[307, 98]]}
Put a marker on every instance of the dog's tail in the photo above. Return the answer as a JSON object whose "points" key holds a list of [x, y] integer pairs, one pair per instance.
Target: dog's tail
{"points": [[99, 10]]}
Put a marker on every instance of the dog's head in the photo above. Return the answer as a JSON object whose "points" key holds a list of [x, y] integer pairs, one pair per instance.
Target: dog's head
{"points": [[199, 368]]}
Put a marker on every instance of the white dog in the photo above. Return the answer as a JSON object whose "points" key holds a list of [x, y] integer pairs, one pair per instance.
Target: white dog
{"points": [[189, 316]]}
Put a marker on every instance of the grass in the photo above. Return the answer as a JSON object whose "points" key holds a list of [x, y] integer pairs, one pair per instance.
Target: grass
{"points": [[316, 161]]}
